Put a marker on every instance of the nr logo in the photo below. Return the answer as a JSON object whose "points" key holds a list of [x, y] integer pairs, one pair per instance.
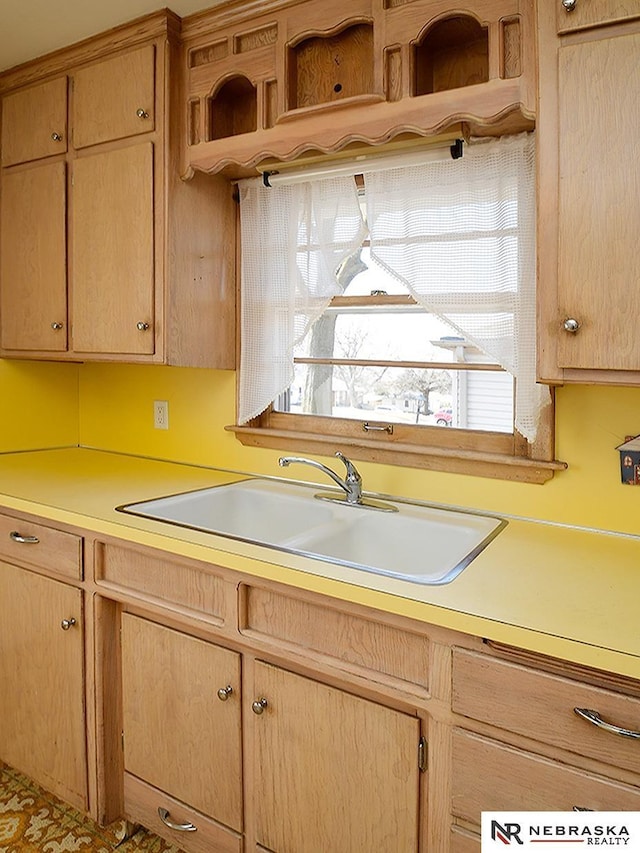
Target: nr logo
{"points": [[508, 834]]}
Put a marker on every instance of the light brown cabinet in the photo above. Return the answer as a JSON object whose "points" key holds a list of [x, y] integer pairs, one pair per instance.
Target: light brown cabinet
{"points": [[124, 261], [112, 251], [42, 671], [589, 212], [537, 753], [33, 258], [307, 744], [124, 107], [34, 122], [182, 729], [332, 771]]}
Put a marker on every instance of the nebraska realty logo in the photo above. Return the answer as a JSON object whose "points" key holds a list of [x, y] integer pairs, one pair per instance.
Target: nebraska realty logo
{"points": [[557, 829]]}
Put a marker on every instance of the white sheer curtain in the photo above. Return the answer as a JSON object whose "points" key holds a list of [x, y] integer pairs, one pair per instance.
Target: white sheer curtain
{"points": [[460, 234], [294, 238]]}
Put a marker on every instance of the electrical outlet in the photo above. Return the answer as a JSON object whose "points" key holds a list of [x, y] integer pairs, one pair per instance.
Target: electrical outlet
{"points": [[161, 414]]}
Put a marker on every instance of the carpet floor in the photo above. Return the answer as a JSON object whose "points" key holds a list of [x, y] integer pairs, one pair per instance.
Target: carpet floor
{"points": [[34, 821]]}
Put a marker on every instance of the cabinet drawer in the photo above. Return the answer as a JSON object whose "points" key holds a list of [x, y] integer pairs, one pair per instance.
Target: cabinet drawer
{"points": [[541, 706], [352, 641], [593, 13], [514, 780], [154, 577], [28, 543], [141, 803]]}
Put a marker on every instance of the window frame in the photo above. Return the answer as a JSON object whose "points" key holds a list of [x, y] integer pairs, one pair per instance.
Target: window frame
{"points": [[495, 455]]}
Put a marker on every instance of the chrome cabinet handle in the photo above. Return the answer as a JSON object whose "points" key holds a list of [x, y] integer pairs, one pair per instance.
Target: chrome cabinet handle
{"points": [[67, 623], [569, 5], [225, 692], [163, 814], [259, 705], [367, 427], [57, 137], [56, 326], [571, 325], [142, 113], [142, 327], [23, 540], [580, 809], [595, 719]]}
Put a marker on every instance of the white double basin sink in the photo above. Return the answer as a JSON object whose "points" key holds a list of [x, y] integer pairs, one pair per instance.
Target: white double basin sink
{"points": [[418, 543]]}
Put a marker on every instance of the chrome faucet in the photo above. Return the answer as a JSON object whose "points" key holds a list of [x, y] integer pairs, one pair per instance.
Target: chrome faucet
{"points": [[352, 483]]}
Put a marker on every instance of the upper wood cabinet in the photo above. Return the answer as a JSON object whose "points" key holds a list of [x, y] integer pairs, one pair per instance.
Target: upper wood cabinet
{"points": [[580, 14], [33, 310], [589, 211], [143, 267], [34, 122], [125, 107], [318, 76], [112, 268]]}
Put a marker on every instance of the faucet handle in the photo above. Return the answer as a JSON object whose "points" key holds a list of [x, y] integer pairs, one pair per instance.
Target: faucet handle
{"points": [[353, 475]]}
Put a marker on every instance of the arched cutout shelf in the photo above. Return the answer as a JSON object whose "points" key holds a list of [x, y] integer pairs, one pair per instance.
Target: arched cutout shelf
{"points": [[328, 68], [453, 53], [233, 109]]}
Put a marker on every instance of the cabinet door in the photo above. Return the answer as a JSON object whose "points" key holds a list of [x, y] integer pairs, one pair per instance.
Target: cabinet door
{"points": [[33, 275], [580, 14], [112, 237], [42, 721], [333, 772], [34, 122], [114, 98], [599, 206], [179, 735]]}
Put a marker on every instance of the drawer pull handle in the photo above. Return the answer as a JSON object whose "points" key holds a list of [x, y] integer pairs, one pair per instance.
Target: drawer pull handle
{"points": [[67, 623], [580, 809], [163, 814], [23, 540], [595, 719], [225, 692]]}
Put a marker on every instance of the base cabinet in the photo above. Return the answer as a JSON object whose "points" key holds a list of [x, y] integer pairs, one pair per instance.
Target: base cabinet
{"points": [[332, 771], [42, 710], [182, 730]]}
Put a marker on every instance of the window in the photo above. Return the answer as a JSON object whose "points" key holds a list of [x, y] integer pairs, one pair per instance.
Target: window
{"points": [[394, 315]]}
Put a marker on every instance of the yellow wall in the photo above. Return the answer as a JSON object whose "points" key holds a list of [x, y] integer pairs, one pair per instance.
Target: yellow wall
{"points": [[38, 405], [116, 413]]}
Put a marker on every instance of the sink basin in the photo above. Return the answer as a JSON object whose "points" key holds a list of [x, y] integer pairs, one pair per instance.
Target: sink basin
{"points": [[418, 543]]}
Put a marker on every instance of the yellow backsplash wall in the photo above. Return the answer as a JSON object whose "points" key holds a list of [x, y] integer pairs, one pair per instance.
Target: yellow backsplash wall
{"points": [[38, 405], [116, 413]]}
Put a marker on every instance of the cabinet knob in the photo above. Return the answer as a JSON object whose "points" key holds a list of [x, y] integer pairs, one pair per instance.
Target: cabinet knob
{"points": [[142, 113], [57, 326], [569, 5], [142, 327], [67, 623], [57, 137], [225, 692], [259, 705], [571, 325]]}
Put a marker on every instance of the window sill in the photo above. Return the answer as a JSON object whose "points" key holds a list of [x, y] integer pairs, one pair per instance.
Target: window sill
{"points": [[456, 461]]}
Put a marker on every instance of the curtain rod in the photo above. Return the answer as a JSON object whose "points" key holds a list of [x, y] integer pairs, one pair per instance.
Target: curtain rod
{"points": [[364, 163]]}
